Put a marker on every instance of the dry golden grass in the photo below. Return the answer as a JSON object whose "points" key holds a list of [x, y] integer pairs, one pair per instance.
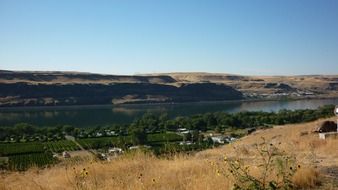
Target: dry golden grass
{"points": [[306, 177], [204, 170], [289, 138], [134, 172]]}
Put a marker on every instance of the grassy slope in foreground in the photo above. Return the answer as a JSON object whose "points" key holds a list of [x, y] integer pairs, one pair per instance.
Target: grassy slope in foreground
{"points": [[200, 171]]}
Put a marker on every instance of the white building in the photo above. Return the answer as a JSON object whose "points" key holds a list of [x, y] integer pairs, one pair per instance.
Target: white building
{"points": [[219, 139], [115, 150], [222, 139]]}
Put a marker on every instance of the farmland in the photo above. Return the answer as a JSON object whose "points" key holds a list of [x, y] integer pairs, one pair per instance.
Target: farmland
{"points": [[24, 155], [23, 161], [101, 142], [40, 154], [20, 148], [8, 149], [62, 145]]}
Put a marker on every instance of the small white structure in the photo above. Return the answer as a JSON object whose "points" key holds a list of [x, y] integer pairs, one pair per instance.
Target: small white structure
{"points": [[115, 150], [218, 139], [110, 133], [324, 136], [186, 143], [186, 132], [134, 147], [230, 139], [65, 154], [222, 139], [99, 134], [181, 130], [138, 147]]}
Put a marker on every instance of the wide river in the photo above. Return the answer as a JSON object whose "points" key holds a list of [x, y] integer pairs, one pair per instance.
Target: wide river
{"points": [[84, 116]]}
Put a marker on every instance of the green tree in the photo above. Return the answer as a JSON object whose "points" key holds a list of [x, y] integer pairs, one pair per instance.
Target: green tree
{"points": [[199, 124], [68, 129], [138, 136]]}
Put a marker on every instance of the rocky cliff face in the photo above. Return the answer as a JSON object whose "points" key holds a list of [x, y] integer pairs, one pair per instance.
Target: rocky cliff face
{"points": [[73, 88], [24, 94]]}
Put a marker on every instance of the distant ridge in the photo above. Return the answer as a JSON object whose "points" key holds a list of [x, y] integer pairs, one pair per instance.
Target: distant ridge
{"points": [[21, 88]]}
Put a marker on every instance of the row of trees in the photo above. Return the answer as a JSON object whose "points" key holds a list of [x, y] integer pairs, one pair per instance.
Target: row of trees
{"points": [[222, 120], [150, 123]]}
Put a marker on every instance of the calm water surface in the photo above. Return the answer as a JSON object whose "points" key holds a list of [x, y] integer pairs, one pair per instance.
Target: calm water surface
{"points": [[84, 116]]}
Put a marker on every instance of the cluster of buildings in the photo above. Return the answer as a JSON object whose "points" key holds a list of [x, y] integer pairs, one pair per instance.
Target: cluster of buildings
{"points": [[216, 138], [296, 94], [104, 133]]}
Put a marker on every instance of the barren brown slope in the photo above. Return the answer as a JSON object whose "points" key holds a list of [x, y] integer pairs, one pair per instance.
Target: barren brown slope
{"points": [[68, 88], [318, 85], [116, 89], [195, 172], [296, 139], [55, 77]]}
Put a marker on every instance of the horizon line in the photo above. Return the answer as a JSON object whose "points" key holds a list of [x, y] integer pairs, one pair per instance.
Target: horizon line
{"points": [[161, 73]]}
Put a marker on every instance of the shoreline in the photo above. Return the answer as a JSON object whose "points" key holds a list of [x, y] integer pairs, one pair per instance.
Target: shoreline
{"points": [[51, 107]]}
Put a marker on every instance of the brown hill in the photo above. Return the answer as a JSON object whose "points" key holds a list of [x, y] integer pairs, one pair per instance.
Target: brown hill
{"points": [[307, 85], [62, 88]]}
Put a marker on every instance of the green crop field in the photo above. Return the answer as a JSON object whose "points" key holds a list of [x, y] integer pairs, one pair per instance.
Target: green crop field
{"points": [[20, 148], [60, 146], [36, 147], [23, 161], [101, 142], [39, 154]]}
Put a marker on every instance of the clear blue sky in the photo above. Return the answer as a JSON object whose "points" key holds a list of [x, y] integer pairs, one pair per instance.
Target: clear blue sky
{"points": [[258, 37]]}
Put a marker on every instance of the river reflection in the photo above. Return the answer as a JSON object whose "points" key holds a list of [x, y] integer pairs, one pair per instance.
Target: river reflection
{"points": [[84, 116]]}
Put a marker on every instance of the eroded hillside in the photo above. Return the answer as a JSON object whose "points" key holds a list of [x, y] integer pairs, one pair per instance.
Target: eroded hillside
{"points": [[73, 88]]}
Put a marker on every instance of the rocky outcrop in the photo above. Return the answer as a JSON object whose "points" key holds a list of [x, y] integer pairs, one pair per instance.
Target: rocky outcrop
{"points": [[24, 94], [327, 126]]}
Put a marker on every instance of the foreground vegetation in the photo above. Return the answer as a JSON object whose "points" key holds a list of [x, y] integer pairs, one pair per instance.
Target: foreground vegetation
{"points": [[38, 154], [309, 158]]}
